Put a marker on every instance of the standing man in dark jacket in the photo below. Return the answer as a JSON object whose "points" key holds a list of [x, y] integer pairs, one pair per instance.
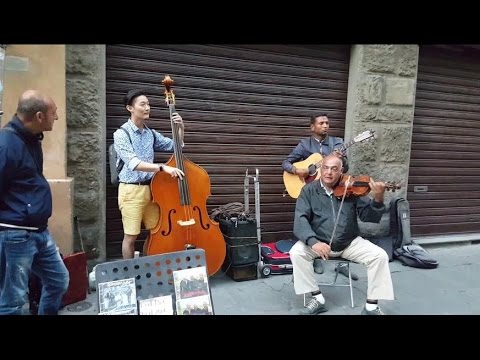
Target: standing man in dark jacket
{"points": [[316, 213], [322, 143], [25, 207]]}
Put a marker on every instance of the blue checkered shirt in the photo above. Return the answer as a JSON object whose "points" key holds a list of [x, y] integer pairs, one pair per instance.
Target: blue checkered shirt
{"points": [[140, 149]]}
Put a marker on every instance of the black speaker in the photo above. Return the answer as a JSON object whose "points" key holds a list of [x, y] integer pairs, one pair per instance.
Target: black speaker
{"points": [[242, 254], [244, 272], [237, 231], [241, 241]]}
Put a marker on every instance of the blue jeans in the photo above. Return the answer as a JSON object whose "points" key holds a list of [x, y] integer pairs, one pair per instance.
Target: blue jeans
{"points": [[22, 252]]}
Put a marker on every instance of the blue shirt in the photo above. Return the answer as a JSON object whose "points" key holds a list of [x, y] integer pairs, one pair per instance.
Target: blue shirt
{"points": [[140, 149], [311, 145], [26, 199]]}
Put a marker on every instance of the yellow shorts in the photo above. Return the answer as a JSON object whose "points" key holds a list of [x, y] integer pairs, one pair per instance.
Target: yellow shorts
{"points": [[135, 204]]}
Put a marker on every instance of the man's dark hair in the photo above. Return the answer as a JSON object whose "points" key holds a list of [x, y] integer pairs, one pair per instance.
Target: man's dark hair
{"points": [[131, 95], [313, 117], [31, 105]]}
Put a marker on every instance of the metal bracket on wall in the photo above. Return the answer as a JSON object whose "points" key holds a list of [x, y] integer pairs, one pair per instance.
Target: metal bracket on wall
{"points": [[419, 189]]}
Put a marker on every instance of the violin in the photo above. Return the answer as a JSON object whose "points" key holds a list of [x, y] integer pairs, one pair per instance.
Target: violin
{"points": [[358, 186]]}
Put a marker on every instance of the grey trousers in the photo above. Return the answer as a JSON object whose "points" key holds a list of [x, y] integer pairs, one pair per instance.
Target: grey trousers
{"points": [[360, 251]]}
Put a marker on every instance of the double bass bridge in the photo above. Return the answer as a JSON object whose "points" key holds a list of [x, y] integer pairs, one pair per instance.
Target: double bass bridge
{"points": [[186, 222]]}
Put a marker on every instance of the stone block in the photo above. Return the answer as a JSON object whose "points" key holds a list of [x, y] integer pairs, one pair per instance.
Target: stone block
{"points": [[84, 59], [83, 109], [379, 58], [395, 145], [407, 60], [372, 90], [83, 147], [400, 91]]}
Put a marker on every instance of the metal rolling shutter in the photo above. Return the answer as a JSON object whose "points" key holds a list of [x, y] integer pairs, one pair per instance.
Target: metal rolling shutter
{"points": [[244, 106], [445, 153]]}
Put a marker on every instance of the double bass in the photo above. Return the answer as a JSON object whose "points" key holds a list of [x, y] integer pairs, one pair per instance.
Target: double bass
{"points": [[184, 222]]}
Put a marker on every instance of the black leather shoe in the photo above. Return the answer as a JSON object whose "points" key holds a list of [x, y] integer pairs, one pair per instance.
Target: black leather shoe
{"points": [[342, 269]]}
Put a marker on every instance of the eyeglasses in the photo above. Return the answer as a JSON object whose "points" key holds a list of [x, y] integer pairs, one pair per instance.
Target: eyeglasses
{"points": [[334, 169]]}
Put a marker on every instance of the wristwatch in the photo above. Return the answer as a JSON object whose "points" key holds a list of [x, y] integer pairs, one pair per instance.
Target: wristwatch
{"points": [[160, 167]]}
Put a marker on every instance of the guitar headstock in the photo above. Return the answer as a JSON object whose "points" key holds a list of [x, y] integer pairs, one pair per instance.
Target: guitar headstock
{"points": [[169, 95], [364, 136]]}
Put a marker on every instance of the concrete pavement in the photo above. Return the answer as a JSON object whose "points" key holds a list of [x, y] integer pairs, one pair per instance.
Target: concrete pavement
{"points": [[451, 289]]}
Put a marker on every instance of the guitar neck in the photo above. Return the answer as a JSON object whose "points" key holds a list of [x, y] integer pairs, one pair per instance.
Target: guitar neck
{"points": [[341, 149]]}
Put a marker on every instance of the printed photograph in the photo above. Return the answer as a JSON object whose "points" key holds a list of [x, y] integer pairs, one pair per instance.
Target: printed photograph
{"points": [[117, 296], [199, 305], [191, 282]]}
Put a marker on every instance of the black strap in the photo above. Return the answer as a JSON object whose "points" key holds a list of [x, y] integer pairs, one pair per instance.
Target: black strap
{"points": [[121, 163]]}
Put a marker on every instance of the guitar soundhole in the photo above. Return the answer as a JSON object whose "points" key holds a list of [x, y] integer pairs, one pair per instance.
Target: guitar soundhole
{"points": [[312, 170]]}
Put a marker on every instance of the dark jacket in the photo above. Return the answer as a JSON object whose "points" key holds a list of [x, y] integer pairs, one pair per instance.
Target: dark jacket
{"points": [[309, 146], [26, 198], [315, 215]]}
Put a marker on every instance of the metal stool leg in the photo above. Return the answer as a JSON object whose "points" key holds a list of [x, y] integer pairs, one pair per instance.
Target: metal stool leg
{"points": [[333, 283], [350, 283]]}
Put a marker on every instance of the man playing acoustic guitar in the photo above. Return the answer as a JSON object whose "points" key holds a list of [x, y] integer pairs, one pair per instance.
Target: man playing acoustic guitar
{"points": [[321, 143]]}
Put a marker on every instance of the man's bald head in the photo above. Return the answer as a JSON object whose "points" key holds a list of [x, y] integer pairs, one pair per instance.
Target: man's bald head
{"points": [[37, 111], [332, 160], [31, 102]]}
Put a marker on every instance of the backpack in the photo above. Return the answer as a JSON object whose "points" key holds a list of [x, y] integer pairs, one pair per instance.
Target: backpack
{"points": [[399, 233], [404, 249], [400, 223], [113, 157], [415, 256]]}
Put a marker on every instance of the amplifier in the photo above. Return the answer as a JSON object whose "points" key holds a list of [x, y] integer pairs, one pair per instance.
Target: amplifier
{"points": [[244, 272], [241, 241]]}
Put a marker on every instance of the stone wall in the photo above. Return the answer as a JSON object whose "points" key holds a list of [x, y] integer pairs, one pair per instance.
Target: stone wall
{"points": [[85, 81], [381, 96]]}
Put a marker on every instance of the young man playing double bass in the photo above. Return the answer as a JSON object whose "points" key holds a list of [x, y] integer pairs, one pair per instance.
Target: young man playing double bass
{"points": [[326, 227], [134, 196], [322, 143]]}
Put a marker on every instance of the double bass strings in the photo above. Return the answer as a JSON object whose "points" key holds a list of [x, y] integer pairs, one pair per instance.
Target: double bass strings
{"points": [[182, 183]]}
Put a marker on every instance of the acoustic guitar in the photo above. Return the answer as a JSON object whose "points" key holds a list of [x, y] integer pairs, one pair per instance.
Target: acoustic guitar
{"points": [[294, 183]]}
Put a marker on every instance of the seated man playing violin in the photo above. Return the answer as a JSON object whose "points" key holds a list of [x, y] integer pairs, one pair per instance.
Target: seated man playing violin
{"points": [[327, 227]]}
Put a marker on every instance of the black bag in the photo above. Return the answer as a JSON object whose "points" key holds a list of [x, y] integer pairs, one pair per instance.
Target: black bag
{"points": [[399, 233], [404, 249], [416, 256], [112, 157], [400, 223]]}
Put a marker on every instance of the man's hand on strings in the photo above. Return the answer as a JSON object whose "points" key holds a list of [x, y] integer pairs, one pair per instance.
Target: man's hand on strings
{"points": [[173, 171], [377, 189]]}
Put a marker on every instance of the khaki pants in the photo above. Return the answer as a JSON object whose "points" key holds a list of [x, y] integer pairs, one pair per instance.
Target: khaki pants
{"points": [[135, 204], [360, 251]]}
